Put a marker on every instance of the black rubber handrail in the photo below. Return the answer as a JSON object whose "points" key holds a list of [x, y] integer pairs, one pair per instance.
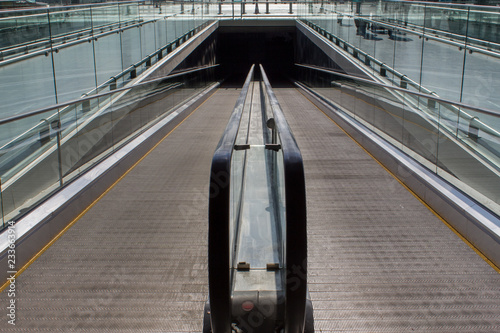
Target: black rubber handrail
{"points": [[296, 219], [218, 219]]}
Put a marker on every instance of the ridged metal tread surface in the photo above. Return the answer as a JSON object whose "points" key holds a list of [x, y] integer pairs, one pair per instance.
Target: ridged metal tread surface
{"points": [[137, 260], [379, 260]]}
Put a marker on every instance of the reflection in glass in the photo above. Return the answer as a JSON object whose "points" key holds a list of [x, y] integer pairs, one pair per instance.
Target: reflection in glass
{"points": [[131, 51], [70, 63], [28, 26], [19, 157], [26, 85], [107, 52], [457, 142], [481, 83], [61, 143]]}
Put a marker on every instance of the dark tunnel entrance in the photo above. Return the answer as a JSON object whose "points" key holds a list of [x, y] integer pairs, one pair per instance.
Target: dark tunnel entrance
{"points": [[238, 47], [278, 45]]}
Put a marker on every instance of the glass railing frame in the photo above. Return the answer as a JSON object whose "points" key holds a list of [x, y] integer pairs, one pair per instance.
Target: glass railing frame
{"points": [[111, 83], [404, 90], [460, 41], [55, 144], [88, 98], [369, 60], [163, 45], [54, 10], [457, 106], [384, 69], [54, 43], [476, 39], [473, 129]]}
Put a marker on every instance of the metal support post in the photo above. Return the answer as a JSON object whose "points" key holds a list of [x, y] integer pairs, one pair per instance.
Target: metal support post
{"points": [[403, 84], [474, 129], [56, 126]]}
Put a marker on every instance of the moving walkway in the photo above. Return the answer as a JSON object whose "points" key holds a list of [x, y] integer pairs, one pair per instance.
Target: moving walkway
{"points": [[257, 222]]}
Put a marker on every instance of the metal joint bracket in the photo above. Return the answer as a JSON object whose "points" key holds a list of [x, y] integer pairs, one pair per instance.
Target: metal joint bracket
{"points": [[243, 266], [383, 70], [241, 147], [112, 85], [474, 129], [273, 267], [86, 106], [55, 125], [404, 83], [273, 146]]}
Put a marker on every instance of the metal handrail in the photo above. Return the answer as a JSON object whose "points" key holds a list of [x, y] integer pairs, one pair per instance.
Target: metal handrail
{"points": [[296, 218], [64, 8], [88, 98], [381, 64], [428, 93], [406, 91], [447, 4], [434, 31], [147, 58], [458, 106], [24, 47], [56, 48], [430, 35], [67, 105], [125, 25]]}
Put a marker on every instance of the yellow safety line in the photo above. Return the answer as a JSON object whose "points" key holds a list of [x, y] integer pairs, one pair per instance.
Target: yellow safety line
{"points": [[496, 268], [62, 232]]}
